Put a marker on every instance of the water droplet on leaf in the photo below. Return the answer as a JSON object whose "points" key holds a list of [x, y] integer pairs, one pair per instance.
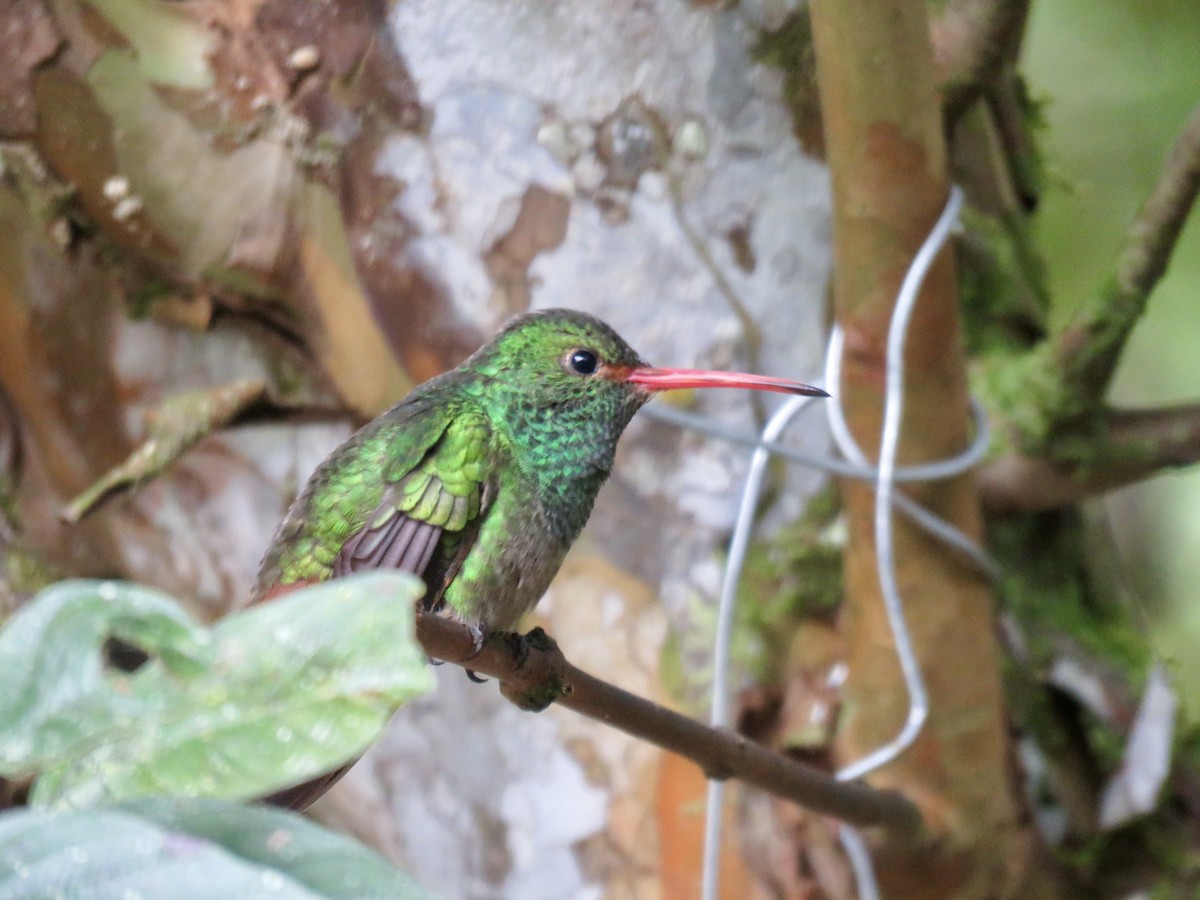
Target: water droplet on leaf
{"points": [[272, 881]]}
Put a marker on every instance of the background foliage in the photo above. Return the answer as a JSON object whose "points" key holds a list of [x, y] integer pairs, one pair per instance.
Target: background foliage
{"points": [[1115, 79]]}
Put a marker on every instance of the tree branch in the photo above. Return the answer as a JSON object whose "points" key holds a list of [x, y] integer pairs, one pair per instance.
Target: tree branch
{"points": [[183, 420], [972, 39], [1128, 446], [1083, 355], [545, 676]]}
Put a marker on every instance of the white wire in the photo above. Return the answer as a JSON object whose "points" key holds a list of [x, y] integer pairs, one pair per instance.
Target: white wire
{"points": [[886, 476], [863, 471], [930, 471], [860, 862], [719, 713], [932, 523], [889, 443]]}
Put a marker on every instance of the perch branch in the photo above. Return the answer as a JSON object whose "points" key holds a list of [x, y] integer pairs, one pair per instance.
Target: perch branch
{"points": [[1086, 351], [545, 674], [1128, 446]]}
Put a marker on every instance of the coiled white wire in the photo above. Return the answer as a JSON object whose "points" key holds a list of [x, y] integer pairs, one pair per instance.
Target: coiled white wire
{"points": [[886, 475]]}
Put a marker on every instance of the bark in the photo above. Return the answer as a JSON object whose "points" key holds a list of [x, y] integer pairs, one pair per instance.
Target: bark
{"points": [[888, 161]]}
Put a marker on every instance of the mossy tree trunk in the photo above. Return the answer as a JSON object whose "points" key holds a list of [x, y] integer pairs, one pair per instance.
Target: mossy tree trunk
{"points": [[888, 158]]}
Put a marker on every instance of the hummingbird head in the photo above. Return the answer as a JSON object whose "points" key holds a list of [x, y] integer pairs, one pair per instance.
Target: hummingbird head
{"points": [[562, 386], [557, 359]]}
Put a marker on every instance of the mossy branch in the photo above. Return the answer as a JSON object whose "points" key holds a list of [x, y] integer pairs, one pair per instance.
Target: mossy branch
{"points": [[534, 673], [1082, 356], [972, 40], [1125, 447], [182, 421]]}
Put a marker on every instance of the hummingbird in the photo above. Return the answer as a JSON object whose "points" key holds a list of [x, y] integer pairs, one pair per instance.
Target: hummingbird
{"points": [[480, 479]]}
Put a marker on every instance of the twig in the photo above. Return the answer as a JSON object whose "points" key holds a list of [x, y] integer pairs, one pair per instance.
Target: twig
{"points": [[1127, 446], [1005, 101], [1086, 351], [750, 330], [182, 421], [972, 39], [545, 676]]}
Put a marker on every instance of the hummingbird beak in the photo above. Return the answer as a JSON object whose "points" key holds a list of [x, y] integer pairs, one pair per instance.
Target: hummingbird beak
{"points": [[652, 379]]}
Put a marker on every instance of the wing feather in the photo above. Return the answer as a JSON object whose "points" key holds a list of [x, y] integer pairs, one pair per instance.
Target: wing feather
{"points": [[435, 503]]}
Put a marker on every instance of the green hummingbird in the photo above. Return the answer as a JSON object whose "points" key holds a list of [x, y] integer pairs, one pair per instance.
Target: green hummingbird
{"points": [[480, 479]]}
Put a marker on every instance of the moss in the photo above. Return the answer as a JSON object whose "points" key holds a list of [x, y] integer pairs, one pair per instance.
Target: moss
{"points": [[793, 575], [672, 674], [1050, 591], [1018, 389], [241, 281], [22, 572], [790, 49], [1064, 606], [1029, 170], [143, 297], [46, 198], [1001, 286]]}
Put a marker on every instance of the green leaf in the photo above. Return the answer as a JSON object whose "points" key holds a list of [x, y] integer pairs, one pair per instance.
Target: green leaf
{"points": [[158, 847], [286, 690], [50, 658], [329, 863]]}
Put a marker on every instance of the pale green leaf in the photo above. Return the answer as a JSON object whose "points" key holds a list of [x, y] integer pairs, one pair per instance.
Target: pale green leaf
{"points": [[158, 847], [285, 691], [51, 658]]}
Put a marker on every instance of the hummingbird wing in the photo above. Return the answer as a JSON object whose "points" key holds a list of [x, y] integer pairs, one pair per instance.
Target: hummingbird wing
{"points": [[407, 484], [428, 515]]}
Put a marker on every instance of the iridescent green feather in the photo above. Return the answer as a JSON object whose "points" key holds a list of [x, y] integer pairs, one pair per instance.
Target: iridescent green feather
{"points": [[420, 464]]}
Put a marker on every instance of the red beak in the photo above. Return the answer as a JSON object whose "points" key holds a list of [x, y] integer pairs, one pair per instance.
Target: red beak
{"points": [[653, 379]]}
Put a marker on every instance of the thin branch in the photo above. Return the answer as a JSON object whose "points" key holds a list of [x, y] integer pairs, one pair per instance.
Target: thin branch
{"points": [[1086, 351], [1128, 446], [972, 40], [1005, 100], [545, 676], [183, 420], [751, 333]]}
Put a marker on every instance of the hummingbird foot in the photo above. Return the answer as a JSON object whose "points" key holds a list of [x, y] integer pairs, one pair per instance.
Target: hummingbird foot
{"points": [[521, 644], [478, 637], [537, 698]]}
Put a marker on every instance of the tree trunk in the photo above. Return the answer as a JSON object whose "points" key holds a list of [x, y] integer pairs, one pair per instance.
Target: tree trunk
{"points": [[887, 154]]}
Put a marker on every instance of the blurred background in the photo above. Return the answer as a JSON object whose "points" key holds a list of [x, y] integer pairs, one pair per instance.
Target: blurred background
{"points": [[1116, 79]]}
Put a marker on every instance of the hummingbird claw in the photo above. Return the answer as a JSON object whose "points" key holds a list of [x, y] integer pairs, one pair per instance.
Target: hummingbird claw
{"points": [[478, 636]]}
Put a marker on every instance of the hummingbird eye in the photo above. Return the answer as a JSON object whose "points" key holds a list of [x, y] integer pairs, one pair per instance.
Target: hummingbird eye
{"points": [[583, 362]]}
